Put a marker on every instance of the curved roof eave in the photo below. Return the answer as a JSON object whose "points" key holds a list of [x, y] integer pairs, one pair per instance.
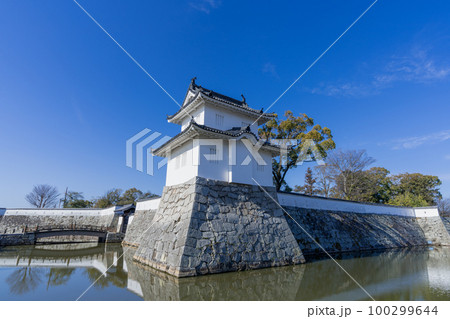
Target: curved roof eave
{"points": [[191, 105], [197, 128]]}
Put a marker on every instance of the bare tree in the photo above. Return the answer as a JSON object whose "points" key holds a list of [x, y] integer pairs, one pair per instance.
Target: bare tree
{"points": [[43, 196], [323, 180], [345, 168], [444, 207]]}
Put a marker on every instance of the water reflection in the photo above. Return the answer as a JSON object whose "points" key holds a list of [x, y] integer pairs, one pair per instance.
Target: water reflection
{"points": [[30, 272]]}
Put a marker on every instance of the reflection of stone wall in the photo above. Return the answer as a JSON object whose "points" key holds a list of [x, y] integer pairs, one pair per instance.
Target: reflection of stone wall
{"points": [[337, 231], [263, 284], [399, 274], [67, 239], [384, 273], [141, 222], [206, 226]]}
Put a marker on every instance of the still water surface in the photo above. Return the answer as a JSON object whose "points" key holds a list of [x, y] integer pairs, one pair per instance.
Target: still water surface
{"points": [[63, 272]]}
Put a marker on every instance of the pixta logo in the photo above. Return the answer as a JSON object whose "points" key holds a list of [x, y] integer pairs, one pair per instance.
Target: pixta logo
{"points": [[139, 147], [139, 154]]}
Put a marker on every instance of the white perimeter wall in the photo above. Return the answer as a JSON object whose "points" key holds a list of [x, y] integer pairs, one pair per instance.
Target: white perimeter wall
{"points": [[56, 212], [150, 204], [353, 207]]}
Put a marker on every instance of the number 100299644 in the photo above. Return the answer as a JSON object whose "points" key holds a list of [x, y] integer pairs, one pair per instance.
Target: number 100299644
{"points": [[402, 310]]}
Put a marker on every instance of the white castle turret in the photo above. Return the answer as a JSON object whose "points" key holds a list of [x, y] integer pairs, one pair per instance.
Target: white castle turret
{"points": [[218, 211], [218, 135]]}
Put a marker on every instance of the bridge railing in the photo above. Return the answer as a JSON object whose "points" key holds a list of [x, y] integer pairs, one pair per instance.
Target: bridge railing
{"points": [[72, 227]]}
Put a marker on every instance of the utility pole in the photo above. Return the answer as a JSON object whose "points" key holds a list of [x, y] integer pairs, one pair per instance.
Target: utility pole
{"points": [[65, 198]]}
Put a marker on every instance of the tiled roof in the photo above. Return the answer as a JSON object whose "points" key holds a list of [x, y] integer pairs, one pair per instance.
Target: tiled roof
{"points": [[234, 132], [198, 89]]}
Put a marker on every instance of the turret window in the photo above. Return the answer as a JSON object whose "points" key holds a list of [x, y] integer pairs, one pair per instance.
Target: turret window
{"points": [[219, 120], [213, 153]]}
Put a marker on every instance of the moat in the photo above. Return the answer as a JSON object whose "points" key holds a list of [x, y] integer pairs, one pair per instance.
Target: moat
{"points": [[64, 272]]}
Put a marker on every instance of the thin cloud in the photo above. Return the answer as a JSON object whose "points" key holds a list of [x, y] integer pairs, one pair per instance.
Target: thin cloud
{"points": [[270, 68], [414, 142], [348, 89], [447, 157], [205, 5], [444, 177], [417, 67]]}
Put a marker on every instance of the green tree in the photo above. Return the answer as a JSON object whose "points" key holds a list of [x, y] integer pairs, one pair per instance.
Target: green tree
{"points": [[76, 200], [425, 186], [346, 169], [301, 129], [309, 187], [111, 198], [132, 195], [408, 199], [374, 186]]}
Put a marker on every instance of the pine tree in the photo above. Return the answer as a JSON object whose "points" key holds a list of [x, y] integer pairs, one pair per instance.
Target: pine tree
{"points": [[309, 188]]}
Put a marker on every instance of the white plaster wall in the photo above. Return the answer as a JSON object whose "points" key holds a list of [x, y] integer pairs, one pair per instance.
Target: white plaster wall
{"points": [[426, 211], [198, 116], [263, 177], [148, 204], [344, 206], [231, 119], [217, 170], [119, 224], [189, 95], [177, 175], [242, 173], [59, 212], [224, 170], [245, 174]]}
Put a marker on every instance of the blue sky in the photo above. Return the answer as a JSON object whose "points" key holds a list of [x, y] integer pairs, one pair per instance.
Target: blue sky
{"points": [[70, 98]]}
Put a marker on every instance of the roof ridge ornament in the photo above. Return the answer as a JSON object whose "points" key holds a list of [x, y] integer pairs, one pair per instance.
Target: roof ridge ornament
{"points": [[243, 99], [193, 84]]}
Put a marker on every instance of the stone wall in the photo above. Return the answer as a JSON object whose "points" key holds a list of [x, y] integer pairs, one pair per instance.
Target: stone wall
{"points": [[17, 239], [138, 226], [435, 231], [16, 225], [342, 231], [15, 222], [446, 221], [205, 226]]}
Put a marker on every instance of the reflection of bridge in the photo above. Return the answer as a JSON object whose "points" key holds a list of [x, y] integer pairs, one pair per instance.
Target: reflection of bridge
{"points": [[70, 256], [73, 230]]}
